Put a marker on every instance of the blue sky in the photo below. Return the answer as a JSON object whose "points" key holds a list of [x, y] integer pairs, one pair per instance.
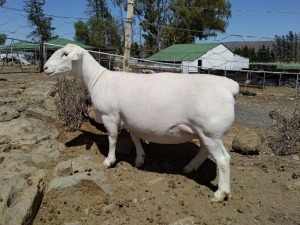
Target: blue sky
{"points": [[251, 20]]}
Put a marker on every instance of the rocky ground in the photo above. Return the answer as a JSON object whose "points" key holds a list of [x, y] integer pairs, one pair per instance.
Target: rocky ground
{"points": [[51, 176]]}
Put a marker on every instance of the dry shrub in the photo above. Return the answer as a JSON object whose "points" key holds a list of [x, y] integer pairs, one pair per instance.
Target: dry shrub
{"points": [[286, 139], [73, 101]]}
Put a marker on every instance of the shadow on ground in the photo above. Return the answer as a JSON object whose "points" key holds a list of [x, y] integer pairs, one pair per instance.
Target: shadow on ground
{"points": [[160, 158]]}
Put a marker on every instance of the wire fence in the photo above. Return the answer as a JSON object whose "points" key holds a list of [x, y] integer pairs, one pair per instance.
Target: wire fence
{"points": [[19, 55], [27, 60]]}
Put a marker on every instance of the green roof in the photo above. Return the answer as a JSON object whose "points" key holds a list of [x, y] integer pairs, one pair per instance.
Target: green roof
{"points": [[21, 45], [182, 52], [53, 44], [57, 43]]}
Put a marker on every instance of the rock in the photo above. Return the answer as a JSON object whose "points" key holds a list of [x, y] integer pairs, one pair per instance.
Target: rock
{"points": [[295, 157], [294, 185], [8, 113], [184, 221], [73, 223], [98, 178], [78, 165], [22, 189], [4, 143], [155, 181], [109, 208], [83, 164], [63, 167], [27, 131], [247, 143], [47, 151], [27, 140]]}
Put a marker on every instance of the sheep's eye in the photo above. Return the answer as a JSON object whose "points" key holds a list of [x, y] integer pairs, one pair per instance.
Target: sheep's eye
{"points": [[65, 54]]}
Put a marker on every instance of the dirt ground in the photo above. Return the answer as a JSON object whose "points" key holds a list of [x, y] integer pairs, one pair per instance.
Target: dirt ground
{"points": [[265, 187]]}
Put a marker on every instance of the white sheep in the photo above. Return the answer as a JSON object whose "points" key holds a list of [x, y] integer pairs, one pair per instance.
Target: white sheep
{"points": [[164, 108]]}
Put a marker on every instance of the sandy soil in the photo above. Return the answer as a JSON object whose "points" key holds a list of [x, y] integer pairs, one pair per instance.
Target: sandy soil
{"points": [[265, 187]]}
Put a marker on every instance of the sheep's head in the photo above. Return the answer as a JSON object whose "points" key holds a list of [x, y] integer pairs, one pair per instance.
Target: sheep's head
{"points": [[63, 60]]}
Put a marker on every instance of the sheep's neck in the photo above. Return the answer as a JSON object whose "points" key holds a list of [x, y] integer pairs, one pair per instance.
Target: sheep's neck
{"points": [[91, 70]]}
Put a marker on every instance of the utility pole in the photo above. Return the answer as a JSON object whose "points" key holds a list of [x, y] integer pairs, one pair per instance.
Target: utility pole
{"points": [[128, 35]]}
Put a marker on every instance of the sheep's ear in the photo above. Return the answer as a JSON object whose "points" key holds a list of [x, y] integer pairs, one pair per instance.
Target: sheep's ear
{"points": [[74, 54]]}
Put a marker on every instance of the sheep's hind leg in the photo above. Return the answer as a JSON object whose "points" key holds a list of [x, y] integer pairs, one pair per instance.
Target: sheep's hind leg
{"points": [[217, 150], [140, 154], [196, 162]]}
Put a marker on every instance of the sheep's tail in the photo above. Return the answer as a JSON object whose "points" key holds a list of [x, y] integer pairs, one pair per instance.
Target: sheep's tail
{"points": [[233, 87]]}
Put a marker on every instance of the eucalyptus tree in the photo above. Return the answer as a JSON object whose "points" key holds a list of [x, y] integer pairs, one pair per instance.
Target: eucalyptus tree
{"points": [[101, 29], [37, 19], [165, 22]]}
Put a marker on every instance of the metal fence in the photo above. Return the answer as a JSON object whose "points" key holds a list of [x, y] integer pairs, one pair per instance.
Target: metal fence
{"points": [[259, 81], [19, 56], [16, 59]]}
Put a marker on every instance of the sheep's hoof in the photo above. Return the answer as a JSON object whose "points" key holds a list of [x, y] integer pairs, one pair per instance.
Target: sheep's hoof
{"points": [[216, 200], [139, 161], [107, 163], [223, 196], [188, 169], [139, 165]]}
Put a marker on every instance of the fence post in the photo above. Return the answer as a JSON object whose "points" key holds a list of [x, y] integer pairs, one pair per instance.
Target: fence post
{"points": [[41, 53], [279, 84], [128, 35], [297, 84], [264, 83]]}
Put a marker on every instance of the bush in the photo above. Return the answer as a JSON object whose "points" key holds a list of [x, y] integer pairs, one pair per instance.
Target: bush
{"points": [[286, 139], [73, 101]]}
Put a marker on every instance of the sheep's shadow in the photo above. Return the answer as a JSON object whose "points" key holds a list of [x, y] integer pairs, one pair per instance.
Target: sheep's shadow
{"points": [[160, 158]]}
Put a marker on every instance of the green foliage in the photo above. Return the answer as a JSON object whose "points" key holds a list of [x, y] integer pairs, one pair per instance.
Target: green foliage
{"points": [[37, 19], [263, 54], [2, 39], [136, 50], [287, 47], [2, 2], [82, 32], [101, 30], [176, 21]]}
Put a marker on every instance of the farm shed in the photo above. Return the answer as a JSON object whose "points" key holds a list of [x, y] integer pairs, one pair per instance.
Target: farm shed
{"points": [[193, 57], [22, 52]]}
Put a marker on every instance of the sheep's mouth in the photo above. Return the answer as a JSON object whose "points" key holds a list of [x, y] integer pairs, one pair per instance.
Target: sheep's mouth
{"points": [[53, 73], [50, 74]]}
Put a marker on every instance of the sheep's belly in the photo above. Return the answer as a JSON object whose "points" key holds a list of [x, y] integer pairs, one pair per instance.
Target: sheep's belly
{"points": [[174, 135]]}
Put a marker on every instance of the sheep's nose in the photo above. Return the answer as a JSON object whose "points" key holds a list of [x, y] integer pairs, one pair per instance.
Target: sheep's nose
{"points": [[45, 67]]}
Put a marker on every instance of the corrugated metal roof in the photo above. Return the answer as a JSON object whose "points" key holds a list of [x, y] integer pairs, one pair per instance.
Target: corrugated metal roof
{"points": [[20, 45], [182, 52], [56, 43], [53, 44]]}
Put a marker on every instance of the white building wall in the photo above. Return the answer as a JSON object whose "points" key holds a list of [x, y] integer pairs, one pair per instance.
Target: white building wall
{"points": [[218, 58], [189, 67]]}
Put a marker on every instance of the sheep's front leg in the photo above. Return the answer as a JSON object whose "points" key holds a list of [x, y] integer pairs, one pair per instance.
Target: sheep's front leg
{"points": [[112, 129], [140, 154], [111, 158]]}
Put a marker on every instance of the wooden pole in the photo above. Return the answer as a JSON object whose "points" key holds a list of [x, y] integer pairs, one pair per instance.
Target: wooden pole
{"points": [[41, 54], [128, 35], [297, 85]]}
